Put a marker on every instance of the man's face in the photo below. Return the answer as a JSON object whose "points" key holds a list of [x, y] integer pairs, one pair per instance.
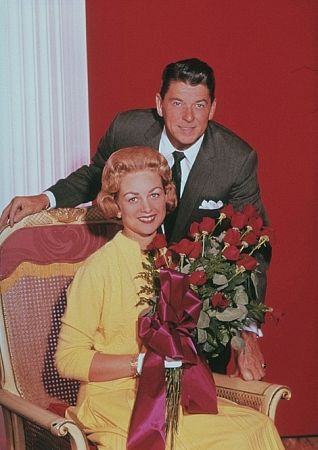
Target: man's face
{"points": [[186, 111]]}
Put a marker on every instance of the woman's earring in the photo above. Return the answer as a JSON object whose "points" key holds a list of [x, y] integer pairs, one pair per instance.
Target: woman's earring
{"points": [[119, 215]]}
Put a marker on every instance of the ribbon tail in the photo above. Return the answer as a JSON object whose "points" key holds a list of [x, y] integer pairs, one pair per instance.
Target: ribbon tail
{"points": [[147, 425], [198, 393]]}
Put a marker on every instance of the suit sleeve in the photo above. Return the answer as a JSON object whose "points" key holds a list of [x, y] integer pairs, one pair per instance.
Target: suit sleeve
{"points": [[84, 184], [245, 188]]}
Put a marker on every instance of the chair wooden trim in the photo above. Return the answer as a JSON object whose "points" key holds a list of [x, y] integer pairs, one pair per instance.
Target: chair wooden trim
{"points": [[58, 426], [73, 233], [258, 395]]}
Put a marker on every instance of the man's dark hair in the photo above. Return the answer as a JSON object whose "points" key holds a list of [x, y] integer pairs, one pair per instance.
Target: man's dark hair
{"points": [[192, 71]]}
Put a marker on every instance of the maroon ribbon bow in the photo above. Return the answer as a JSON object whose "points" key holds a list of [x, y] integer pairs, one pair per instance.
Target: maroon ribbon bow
{"points": [[168, 333]]}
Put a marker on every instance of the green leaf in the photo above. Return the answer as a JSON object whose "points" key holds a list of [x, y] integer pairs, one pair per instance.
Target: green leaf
{"points": [[204, 320], [219, 279], [208, 348], [202, 336], [240, 296], [230, 314]]}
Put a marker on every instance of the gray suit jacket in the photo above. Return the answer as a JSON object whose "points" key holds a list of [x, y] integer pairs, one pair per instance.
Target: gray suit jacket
{"points": [[225, 168]]}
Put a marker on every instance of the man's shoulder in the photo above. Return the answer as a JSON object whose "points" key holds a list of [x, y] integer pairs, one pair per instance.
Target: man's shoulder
{"points": [[146, 116], [227, 138]]}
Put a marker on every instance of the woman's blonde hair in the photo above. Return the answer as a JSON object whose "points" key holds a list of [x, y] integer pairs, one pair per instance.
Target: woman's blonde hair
{"points": [[129, 160]]}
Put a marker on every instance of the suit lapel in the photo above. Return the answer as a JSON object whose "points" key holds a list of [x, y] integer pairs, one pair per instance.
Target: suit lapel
{"points": [[153, 134]]}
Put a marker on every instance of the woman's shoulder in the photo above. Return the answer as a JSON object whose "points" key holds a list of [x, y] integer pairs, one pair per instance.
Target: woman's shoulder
{"points": [[100, 259], [118, 245]]}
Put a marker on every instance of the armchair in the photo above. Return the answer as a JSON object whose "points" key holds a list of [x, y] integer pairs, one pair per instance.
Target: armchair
{"points": [[38, 259]]}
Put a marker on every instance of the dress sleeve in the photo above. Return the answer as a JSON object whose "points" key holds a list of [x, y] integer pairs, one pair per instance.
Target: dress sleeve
{"points": [[85, 299]]}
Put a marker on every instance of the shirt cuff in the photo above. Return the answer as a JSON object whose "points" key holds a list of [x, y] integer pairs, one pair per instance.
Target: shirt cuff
{"points": [[52, 200]]}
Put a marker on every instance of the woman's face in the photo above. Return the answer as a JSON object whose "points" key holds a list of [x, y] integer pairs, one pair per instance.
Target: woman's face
{"points": [[142, 203]]}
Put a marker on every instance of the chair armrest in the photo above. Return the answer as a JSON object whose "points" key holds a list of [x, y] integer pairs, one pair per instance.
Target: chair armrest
{"points": [[55, 424], [259, 395]]}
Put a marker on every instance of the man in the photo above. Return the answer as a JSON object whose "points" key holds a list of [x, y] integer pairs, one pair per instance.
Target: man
{"points": [[211, 164]]}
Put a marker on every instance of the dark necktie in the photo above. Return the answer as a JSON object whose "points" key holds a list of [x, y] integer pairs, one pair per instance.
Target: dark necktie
{"points": [[176, 176]]}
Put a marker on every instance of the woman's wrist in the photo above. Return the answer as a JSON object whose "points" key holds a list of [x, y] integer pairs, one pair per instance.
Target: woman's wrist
{"points": [[136, 363], [133, 363]]}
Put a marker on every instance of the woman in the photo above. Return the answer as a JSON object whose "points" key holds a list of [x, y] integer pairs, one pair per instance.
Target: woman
{"points": [[98, 342]]}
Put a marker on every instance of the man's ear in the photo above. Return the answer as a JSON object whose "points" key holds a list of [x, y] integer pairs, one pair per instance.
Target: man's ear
{"points": [[212, 110], [159, 104]]}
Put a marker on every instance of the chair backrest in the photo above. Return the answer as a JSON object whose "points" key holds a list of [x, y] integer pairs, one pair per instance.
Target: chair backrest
{"points": [[38, 259]]}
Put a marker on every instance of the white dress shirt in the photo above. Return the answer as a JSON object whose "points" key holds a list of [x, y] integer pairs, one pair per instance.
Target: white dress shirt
{"points": [[167, 149]]}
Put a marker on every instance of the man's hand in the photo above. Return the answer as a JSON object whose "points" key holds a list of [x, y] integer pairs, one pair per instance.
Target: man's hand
{"points": [[20, 207], [249, 360]]}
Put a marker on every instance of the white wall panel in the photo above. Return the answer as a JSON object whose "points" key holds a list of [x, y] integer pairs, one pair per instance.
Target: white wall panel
{"points": [[44, 124]]}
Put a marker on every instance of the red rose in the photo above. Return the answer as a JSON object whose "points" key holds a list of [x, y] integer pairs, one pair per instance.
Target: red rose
{"points": [[194, 228], [231, 253], [232, 237], [239, 220], [219, 300], [256, 223], [206, 225], [159, 241], [250, 210], [247, 261], [250, 238], [228, 210], [196, 250], [160, 262], [197, 277], [183, 247], [269, 232]]}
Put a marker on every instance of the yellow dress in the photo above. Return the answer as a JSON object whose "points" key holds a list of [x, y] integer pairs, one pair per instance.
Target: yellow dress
{"points": [[101, 316]]}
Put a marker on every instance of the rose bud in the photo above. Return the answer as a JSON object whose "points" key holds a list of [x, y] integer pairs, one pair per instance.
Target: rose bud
{"points": [[269, 232], [232, 237], [194, 229], [206, 225], [239, 220], [219, 300], [197, 278], [161, 261], [256, 223], [250, 210], [231, 253], [183, 247], [196, 250], [250, 238], [247, 261], [228, 210], [159, 241]]}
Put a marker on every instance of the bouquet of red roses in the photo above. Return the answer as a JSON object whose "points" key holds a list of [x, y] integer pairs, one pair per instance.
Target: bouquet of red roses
{"points": [[219, 259]]}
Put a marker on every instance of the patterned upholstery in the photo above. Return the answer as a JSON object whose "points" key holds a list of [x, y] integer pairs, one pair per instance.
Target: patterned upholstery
{"points": [[38, 323], [39, 258]]}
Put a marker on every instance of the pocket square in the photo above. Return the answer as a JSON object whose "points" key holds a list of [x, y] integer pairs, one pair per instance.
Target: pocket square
{"points": [[211, 204]]}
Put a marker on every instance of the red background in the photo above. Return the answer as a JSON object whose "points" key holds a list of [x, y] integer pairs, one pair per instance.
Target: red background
{"points": [[266, 65]]}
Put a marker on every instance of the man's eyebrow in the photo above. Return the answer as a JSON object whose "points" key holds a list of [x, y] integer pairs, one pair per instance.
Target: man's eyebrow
{"points": [[181, 100]]}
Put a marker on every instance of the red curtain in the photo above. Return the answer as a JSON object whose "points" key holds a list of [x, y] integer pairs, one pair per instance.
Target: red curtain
{"points": [[266, 64]]}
